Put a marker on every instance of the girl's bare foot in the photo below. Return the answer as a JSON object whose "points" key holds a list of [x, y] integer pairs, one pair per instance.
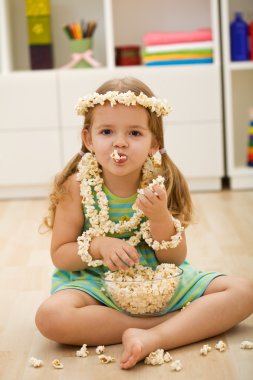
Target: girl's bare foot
{"points": [[137, 344]]}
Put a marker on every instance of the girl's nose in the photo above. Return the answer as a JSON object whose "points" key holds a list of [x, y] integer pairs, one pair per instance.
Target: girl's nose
{"points": [[120, 141]]}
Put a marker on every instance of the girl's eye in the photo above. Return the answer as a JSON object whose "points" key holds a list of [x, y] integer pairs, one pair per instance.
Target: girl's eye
{"points": [[136, 133], [106, 131]]}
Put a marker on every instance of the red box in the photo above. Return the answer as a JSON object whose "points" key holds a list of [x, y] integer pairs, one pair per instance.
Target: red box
{"points": [[127, 55]]}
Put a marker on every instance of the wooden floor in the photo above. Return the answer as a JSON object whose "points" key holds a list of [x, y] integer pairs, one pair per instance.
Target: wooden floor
{"points": [[221, 239]]}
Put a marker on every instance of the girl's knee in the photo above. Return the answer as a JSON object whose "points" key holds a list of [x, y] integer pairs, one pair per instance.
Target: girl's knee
{"points": [[245, 287], [51, 320], [241, 287]]}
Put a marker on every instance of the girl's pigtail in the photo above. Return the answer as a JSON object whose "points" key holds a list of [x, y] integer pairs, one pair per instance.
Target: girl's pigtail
{"points": [[58, 190]]}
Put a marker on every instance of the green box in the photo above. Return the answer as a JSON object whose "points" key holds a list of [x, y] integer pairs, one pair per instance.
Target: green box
{"points": [[39, 30], [80, 46], [37, 7]]}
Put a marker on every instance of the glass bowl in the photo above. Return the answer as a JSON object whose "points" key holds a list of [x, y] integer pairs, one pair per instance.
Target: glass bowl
{"points": [[141, 291]]}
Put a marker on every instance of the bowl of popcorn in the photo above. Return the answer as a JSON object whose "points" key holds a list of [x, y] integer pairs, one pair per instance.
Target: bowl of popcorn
{"points": [[142, 291]]}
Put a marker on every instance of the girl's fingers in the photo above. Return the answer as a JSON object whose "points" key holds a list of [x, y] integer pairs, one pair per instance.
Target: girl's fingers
{"points": [[150, 195], [125, 258], [144, 201], [161, 193], [132, 253], [117, 259], [111, 265]]}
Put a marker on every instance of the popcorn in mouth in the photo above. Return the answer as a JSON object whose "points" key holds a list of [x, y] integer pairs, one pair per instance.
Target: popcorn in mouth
{"points": [[118, 157]]}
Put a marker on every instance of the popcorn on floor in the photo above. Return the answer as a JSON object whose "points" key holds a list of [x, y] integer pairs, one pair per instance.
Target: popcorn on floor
{"points": [[205, 349], [106, 359], [57, 364], [158, 357], [36, 362], [221, 346], [83, 352], [176, 365], [246, 345], [100, 350]]}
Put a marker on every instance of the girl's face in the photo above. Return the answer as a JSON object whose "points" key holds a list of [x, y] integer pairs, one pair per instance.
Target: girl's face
{"points": [[122, 128]]}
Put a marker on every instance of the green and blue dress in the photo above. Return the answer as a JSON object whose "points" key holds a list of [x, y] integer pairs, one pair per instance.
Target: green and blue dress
{"points": [[191, 286]]}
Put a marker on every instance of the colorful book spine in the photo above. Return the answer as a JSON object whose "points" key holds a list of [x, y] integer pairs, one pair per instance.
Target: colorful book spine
{"points": [[250, 140], [39, 34]]}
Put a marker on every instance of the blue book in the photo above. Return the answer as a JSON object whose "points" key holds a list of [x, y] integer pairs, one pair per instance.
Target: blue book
{"points": [[180, 62]]}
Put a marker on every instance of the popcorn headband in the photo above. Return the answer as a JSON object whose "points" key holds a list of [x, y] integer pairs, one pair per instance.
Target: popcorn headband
{"points": [[129, 98]]}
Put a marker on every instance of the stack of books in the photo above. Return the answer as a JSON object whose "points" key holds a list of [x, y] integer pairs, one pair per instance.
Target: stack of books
{"points": [[176, 48], [250, 144]]}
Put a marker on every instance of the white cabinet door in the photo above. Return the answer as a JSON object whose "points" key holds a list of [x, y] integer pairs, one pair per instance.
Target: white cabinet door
{"points": [[196, 149], [71, 139], [28, 100], [74, 84], [193, 92], [29, 158]]}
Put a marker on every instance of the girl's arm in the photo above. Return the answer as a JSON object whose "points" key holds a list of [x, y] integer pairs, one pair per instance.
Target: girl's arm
{"points": [[163, 229], [68, 225], [154, 206]]}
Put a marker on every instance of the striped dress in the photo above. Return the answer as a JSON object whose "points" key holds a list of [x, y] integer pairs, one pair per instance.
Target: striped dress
{"points": [[191, 286]]}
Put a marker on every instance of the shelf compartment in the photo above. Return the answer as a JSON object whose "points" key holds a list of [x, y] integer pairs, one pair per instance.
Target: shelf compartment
{"points": [[62, 12], [246, 65], [161, 16], [242, 101]]}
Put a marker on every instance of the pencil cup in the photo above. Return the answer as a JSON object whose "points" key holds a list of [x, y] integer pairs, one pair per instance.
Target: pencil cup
{"points": [[81, 51]]}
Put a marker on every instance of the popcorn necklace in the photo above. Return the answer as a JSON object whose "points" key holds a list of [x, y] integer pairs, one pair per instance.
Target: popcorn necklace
{"points": [[89, 176]]}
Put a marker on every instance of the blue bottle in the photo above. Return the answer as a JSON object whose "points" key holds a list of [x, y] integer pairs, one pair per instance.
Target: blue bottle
{"points": [[239, 39]]}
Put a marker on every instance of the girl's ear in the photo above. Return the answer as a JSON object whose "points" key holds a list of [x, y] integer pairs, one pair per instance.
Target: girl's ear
{"points": [[154, 148], [86, 139]]}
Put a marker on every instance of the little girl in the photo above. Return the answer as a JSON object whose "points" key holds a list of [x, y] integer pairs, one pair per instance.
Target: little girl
{"points": [[97, 218]]}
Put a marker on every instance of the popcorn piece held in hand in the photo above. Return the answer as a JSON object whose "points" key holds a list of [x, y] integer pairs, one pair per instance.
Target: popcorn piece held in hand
{"points": [[205, 349], [221, 346], [35, 362], [106, 359], [246, 345], [83, 352], [176, 365], [100, 350], [157, 181], [57, 364]]}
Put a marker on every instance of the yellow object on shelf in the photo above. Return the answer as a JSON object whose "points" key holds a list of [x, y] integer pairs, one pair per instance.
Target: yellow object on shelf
{"points": [[39, 30], [37, 7]]}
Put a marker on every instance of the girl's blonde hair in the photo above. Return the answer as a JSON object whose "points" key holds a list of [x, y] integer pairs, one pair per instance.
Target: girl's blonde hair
{"points": [[179, 200]]}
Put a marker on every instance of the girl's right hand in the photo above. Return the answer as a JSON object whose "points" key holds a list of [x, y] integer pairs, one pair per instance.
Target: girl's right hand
{"points": [[117, 253]]}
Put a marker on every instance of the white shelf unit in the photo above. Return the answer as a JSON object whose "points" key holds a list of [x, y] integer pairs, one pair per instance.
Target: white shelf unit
{"points": [[238, 99], [193, 131]]}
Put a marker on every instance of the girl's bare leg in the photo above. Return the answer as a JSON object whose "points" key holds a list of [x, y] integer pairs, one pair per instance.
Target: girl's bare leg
{"points": [[73, 317], [226, 302]]}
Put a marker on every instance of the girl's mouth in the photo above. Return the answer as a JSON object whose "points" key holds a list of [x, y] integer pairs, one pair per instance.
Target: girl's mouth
{"points": [[118, 157], [122, 159]]}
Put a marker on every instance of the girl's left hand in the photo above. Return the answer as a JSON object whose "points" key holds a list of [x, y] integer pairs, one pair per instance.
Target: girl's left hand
{"points": [[153, 206]]}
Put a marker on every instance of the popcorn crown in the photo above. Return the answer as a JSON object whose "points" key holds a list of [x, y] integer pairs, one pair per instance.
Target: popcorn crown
{"points": [[129, 98]]}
